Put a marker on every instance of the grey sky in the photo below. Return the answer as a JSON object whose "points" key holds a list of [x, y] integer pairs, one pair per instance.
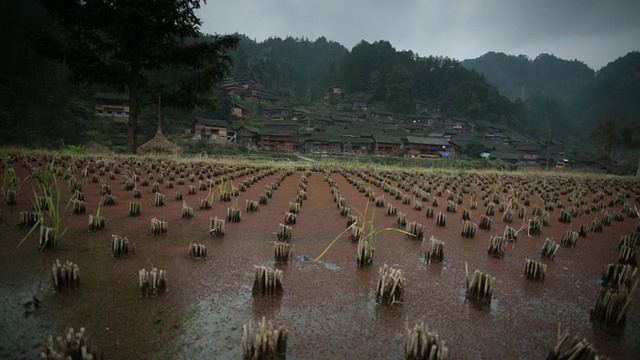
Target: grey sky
{"points": [[593, 31]]}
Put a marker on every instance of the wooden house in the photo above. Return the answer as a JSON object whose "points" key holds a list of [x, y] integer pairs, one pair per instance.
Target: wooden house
{"points": [[322, 143], [212, 130], [277, 113], [335, 89], [248, 136], [382, 115], [360, 105], [111, 105], [387, 145], [239, 111], [431, 147], [274, 138], [352, 145]]}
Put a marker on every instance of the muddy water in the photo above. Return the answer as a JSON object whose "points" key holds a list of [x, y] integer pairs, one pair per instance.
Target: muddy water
{"points": [[328, 306]]}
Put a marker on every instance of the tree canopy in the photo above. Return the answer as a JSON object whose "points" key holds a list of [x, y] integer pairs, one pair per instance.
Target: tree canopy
{"points": [[129, 45]]}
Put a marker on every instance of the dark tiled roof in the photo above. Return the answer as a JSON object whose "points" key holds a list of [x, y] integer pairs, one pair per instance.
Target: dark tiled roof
{"points": [[427, 141], [211, 122]]}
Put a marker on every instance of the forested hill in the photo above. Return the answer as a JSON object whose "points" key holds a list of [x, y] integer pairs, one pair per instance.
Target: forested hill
{"points": [[300, 70], [614, 91], [566, 93], [519, 77]]}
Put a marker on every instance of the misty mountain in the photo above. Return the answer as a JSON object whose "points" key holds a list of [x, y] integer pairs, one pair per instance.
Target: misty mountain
{"points": [[563, 96], [519, 77], [615, 90]]}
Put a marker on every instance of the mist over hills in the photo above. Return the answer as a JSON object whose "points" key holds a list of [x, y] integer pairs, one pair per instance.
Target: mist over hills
{"points": [[531, 96]]}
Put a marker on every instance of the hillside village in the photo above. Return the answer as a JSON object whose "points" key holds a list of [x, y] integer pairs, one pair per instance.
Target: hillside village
{"points": [[428, 132]]}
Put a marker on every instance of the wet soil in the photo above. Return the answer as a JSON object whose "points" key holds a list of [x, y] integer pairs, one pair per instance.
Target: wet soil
{"points": [[328, 305]]}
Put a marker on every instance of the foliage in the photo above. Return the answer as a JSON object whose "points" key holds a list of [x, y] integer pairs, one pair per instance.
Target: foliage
{"points": [[131, 46], [616, 132], [10, 181], [473, 149], [367, 228], [49, 212]]}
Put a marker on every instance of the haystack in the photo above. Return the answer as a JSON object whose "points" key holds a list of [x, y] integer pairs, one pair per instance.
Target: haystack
{"points": [[159, 145]]}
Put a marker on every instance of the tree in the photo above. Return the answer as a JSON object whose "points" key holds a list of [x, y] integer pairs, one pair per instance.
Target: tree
{"points": [[122, 44], [615, 132], [473, 149]]}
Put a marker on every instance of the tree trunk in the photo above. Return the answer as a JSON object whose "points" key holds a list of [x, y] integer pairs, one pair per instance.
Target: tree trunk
{"points": [[132, 123]]}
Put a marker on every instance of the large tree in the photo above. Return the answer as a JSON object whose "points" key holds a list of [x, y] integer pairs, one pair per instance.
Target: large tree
{"points": [[126, 44], [615, 132]]}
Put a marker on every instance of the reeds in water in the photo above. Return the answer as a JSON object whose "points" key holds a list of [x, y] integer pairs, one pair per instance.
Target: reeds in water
{"points": [[365, 253], [469, 229], [159, 199], [137, 193], [549, 249], [197, 251], [429, 213], [264, 342], [267, 281], [135, 208], [216, 227], [441, 220], [422, 344], [153, 282], [480, 287], [65, 276], [391, 210], [565, 216], [28, 218], [289, 218], [435, 250], [416, 229], [490, 211], [234, 214], [569, 238], [535, 227], [390, 288], [207, 202], [628, 255], [47, 238], [251, 205], [294, 207], [451, 206], [79, 207], [619, 276], [583, 230], [401, 219], [159, 227], [351, 219], [510, 234], [71, 345], [109, 199], [284, 232], [283, 252], [120, 246], [96, 222], [497, 246], [574, 349], [485, 222], [534, 270], [611, 306], [187, 211]]}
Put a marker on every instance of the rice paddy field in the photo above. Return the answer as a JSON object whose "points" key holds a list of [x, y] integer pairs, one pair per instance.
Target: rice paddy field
{"points": [[491, 263]]}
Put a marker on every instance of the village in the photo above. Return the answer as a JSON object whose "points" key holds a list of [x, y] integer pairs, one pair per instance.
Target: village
{"points": [[365, 130]]}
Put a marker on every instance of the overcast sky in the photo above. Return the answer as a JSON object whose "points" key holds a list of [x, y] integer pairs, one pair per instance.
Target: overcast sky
{"points": [[593, 31]]}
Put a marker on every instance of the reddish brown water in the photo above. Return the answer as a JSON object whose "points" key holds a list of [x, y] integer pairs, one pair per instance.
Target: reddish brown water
{"points": [[328, 306]]}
